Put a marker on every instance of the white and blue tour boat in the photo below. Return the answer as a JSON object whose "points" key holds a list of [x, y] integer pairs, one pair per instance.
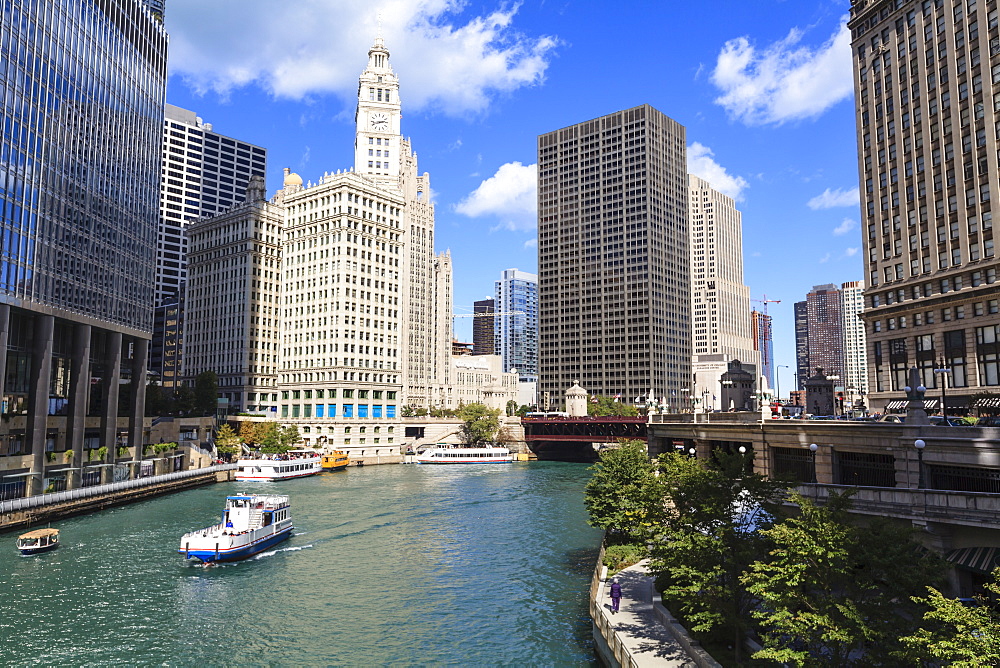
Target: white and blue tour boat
{"points": [[443, 453], [250, 524], [270, 468]]}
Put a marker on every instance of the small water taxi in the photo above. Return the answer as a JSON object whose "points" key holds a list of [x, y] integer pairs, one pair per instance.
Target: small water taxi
{"points": [[37, 541], [250, 524], [336, 461], [443, 453], [270, 468]]}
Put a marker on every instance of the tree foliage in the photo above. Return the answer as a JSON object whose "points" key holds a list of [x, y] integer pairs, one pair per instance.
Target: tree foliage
{"points": [[956, 634], [834, 594], [273, 438], [227, 441], [708, 536], [608, 407], [480, 423], [250, 431], [206, 393], [621, 492]]}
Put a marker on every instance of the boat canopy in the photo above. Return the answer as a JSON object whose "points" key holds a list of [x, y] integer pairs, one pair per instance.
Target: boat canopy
{"points": [[39, 533]]}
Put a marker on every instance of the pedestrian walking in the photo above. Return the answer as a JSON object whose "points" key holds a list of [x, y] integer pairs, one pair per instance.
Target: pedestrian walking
{"points": [[616, 595]]}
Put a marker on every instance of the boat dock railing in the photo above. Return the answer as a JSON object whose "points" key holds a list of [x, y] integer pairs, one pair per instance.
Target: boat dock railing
{"points": [[15, 505]]}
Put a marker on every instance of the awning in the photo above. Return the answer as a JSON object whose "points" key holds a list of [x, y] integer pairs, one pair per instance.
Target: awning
{"points": [[897, 404], [96, 466], [979, 559], [21, 475], [988, 402], [63, 470]]}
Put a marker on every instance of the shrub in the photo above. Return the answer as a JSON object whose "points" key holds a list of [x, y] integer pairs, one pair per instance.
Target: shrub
{"points": [[618, 557]]}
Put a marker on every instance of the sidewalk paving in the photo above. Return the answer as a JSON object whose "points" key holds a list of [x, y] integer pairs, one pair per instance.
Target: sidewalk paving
{"points": [[637, 626]]}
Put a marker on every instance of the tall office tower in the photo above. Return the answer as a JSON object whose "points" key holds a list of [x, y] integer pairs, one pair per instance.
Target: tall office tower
{"points": [[341, 375], [927, 158], [388, 160], [483, 326], [826, 330], [802, 370], [203, 174], [855, 356], [78, 214], [613, 257], [720, 301], [516, 334], [233, 301], [763, 343]]}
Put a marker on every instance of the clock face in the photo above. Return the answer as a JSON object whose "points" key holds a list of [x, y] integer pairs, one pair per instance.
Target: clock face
{"points": [[379, 122]]}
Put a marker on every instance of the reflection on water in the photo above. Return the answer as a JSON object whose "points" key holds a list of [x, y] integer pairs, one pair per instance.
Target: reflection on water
{"points": [[404, 565]]}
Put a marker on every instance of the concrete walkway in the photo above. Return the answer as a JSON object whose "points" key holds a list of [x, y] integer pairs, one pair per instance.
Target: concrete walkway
{"points": [[637, 625]]}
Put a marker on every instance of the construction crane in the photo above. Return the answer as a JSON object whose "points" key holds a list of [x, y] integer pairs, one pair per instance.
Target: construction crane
{"points": [[765, 301], [766, 333]]}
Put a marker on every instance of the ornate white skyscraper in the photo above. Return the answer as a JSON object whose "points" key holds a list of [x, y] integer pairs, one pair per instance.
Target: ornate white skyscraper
{"points": [[377, 144]]}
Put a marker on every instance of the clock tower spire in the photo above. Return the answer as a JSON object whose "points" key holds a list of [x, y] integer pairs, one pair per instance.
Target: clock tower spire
{"points": [[377, 142]]}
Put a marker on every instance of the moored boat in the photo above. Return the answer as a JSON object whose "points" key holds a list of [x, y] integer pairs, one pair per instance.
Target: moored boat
{"points": [[335, 461], [443, 453], [250, 524], [269, 468], [39, 540]]}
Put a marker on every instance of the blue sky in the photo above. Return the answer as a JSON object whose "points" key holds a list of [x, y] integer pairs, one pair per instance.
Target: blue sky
{"points": [[763, 88]]}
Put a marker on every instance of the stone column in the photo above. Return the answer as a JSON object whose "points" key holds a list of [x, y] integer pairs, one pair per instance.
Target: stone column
{"points": [[109, 418], [38, 400], [79, 401], [137, 406]]}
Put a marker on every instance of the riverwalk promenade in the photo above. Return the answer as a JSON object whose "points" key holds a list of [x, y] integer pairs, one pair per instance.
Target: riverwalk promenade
{"points": [[642, 634]]}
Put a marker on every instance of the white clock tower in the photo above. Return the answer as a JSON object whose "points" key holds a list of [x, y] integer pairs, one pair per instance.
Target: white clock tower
{"points": [[377, 144]]}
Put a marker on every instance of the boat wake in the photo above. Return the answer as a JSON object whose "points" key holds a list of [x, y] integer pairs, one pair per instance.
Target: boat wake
{"points": [[271, 553]]}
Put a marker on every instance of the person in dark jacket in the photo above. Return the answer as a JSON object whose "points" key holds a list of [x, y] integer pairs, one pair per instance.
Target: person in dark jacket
{"points": [[616, 595]]}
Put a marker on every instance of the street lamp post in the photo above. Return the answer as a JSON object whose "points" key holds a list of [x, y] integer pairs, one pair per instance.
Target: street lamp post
{"points": [[743, 459], [813, 448], [919, 445], [838, 400], [726, 385], [944, 371]]}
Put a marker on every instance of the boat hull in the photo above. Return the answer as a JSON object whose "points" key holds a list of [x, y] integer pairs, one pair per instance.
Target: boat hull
{"points": [[237, 552], [28, 551], [267, 470], [453, 455]]}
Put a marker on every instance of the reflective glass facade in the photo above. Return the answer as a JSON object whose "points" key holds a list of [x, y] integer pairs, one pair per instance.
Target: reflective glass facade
{"points": [[82, 85]]}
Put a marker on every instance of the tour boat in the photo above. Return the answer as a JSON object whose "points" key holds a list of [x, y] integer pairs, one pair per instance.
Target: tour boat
{"points": [[39, 540], [443, 453], [335, 461], [250, 524], [268, 468]]}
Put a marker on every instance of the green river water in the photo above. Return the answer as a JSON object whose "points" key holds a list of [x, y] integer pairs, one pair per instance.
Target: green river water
{"points": [[475, 565]]}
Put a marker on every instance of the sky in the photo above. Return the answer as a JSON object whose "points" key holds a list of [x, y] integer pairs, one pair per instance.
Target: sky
{"points": [[763, 88]]}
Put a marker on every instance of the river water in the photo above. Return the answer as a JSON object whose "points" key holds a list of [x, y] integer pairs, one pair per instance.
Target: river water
{"points": [[475, 565]]}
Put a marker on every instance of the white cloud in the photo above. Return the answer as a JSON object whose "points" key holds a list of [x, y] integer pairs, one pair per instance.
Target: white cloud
{"points": [[845, 226], [835, 198], [509, 195], [825, 259], [293, 50], [851, 252], [700, 163], [783, 81], [531, 243]]}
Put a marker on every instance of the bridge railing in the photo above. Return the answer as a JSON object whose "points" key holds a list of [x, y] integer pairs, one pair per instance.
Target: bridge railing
{"points": [[84, 492]]}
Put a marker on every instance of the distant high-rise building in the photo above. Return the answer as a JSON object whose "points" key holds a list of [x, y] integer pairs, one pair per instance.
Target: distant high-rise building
{"points": [[233, 300], [855, 357], [517, 333], [483, 336], [763, 342], [802, 370], [203, 174], [85, 82], [826, 330], [927, 159], [613, 258]]}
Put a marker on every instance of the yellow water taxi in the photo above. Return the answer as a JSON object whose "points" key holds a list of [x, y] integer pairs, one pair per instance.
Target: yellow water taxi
{"points": [[39, 540], [335, 461]]}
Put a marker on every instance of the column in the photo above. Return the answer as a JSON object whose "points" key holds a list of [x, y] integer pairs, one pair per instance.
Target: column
{"points": [[79, 401], [38, 400], [137, 405], [109, 417], [4, 335]]}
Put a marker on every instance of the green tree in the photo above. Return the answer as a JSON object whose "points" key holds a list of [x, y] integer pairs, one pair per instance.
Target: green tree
{"points": [[621, 492], [608, 407], [957, 635], [227, 441], [289, 436], [708, 535], [156, 403], [206, 393], [480, 423], [834, 594], [511, 407], [250, 432], [184, 401]]}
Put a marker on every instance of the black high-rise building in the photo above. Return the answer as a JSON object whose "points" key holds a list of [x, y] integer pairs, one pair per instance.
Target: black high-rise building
{"points": [[483, 326], [802, 370]]}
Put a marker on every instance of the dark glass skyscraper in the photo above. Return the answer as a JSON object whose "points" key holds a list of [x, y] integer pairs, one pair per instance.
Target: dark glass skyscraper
{"points": [[81, 110]]}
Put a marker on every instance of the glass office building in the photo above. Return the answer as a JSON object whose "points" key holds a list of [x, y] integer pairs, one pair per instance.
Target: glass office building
{"points": [[81, 112]]}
